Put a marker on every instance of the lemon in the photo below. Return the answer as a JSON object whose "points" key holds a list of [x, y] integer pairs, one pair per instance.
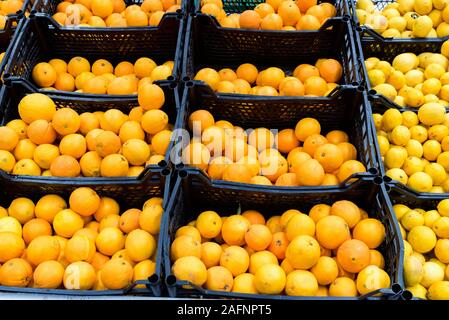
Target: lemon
{"points": [[439, 290], [431, 113], [408, 250], [419, 85], [407, 34], [436, 58], [437, 189], [361, 15], [384, 145], [414, 148], [445, 144], [422, 211], [405, 6], [419, 256], [382, 133], [443, 160], [444, 92], [420, 181], [377, 119], [430, 217], [385, 67], [371, 63], [395, 157], [443, 103], [391, 33], [443, 208], [396, 79], [391, 119], [441, 227], [398, 175], [422, 26], [432, 273], [436, 172], [400, 135], [376, 77], [432, 33], [436, 17], [409, 119], [413, 165], [400, 101], [438, 262], [422, 239], [431, 86], [445, 48], [398, 23], [414, 77], [444, 79], [403, 232], [438, 132], [411, 17], [400, 210], [377, 22], [390, 13], [442, 250], [424, 58], [431, 150], [411, 219], [386, 90], [413, 97], [423, 6], [366, 5], [434, 70], [418, 291], [430, 98], [418, 133], [405, 62], [413, 271], [439, 4]]}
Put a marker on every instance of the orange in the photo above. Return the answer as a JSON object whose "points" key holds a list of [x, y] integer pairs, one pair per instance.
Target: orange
{"points": [[196, 155], [260, 180], [66, 222], [109, 241], [258, 237], [319, 211], [7, 161], [150, 96], [315, 86], [189, 230], [353, 255], [330, 70], [272, 164], [332, 231], [97, 85], [154, 121], [270, 78], [349, 168], [343, 287], [329, 9], [303, 252], [308, 22], [160, 72], [34, 228], [309, 173], [90, 233], [60, 66], [43, 248], [236, 149], [48, 206], [209, 76], [247, 72], [78, 65], [286, 216], [289, 12], [150, 218], [307, 127], [95, 21], [370, 231], [120, 86], [348, 211], [274, 224], [143, 67], [272, 21], [377, 259], [219, 278], [112, 120], [236, 172], [235, 259], [260, 258], [21, 209], [123, 68], [202, 119], [254, 217], [191, 269], [150, 6], [244, 283], [64, 82], [73, 145], [209, 224], [291, 87], [279, 244], [65, 166], [227, 74], [102, 8], [102, 66], [26, 167], [84, 201], [211, 8], [106, 143], [234, 230], [329, 156], [11, 246], [301, 283], [143, 270], [90, 164], [140, 245], [109, 221], [299, 224], [337, 136], [8, 138], [79, 248], [44, 75], [217, 166], [48, 275], [305, 71], [313, 142], [129, 220], [270, 279], [40, 132], [66, 121], [304, 5], [19, 126], [264, 9], [261, 138], [325, 270], [36, 106], [210, 254], [16, 272], [348, 150], [296, 158], [60, 17], [136, 151], [249, 19], [79, 275], [99, 260], [137, 18], [24, 150], [184, 246], [81, 79]]}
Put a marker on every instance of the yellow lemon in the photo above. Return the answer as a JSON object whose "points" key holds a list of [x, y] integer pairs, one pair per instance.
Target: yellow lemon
{"points": [[422, 239], [420, 181]]}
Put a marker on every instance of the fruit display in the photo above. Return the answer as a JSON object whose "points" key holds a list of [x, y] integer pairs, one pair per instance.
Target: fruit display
{"points": [[412, 80], [426, 249], [331, 251], [63, 143], [79, 243], [300, 156], [101, 77], [113, 13], [8, 7], [273, 15], [306, 80], [406, 18], [414, 148]]}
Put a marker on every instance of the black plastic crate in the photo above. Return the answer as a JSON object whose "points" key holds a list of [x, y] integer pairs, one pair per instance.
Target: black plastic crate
{"points": [[193, 193], [128, 195], [37, 43], [209, 45], [9, 99], [347, 109]]}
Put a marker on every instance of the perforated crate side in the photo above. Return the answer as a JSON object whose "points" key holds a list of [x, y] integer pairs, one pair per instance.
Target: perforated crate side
{"points": [[193, 194]]}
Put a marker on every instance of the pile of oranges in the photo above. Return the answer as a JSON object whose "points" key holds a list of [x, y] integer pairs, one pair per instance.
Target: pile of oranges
{"points": [[329, 252], [273, 15], [63, 143], [8, 7], [113, 13], [227, 152], [101, 77], [307, 80], [80, 246]]}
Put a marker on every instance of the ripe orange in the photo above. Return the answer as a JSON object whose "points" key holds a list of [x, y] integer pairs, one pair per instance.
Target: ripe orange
{"points": [[140, 245], [210, 254], [303, 252], [16, 272], [307, 127], [289, 12], [254, 217], [313, 142], [299, 224], [305, 71], [48, 275], [330, 70], [308, 22], [40, 132], [78, 65], [248, 72], [234, 229], [8, 138], [73, 145], [329, 156], [79, 275], [235, 259], [66, 222], [35, 228], [279, 244], [43, 248], [348, 211], [21, 209], [79, 248], [84, 201], [102, 8], [11, 246], [343, 287], [309, 173], [190, 269], [325, 270], [64, 82], [44, 75], [150, 96], [236, 172], [348, 151], [348, 168], [319, 211], [270, 279], [370, 231], [272, 21], [249, 19], [353, 255], [332, 231], [260, 258], [184, 246], [219, 278], [258, 237], [109, 241], [36, 106]]}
